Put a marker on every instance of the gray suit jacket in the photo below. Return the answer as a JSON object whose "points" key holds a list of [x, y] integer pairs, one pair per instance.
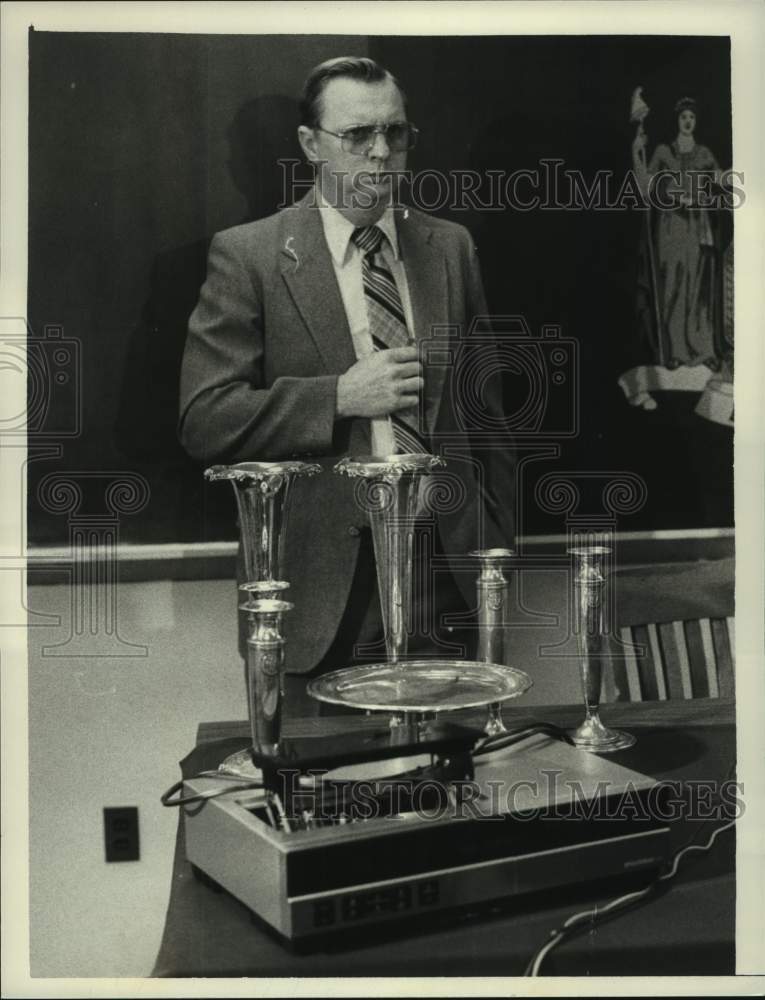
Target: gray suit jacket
{"points": [[267, 341]]}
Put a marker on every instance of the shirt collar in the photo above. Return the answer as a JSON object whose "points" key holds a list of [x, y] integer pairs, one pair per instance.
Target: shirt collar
{"points": [[338, 230], [388, 225]]}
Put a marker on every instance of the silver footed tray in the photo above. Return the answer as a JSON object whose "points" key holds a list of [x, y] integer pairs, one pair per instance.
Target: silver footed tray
{"points": [[420, 685]]}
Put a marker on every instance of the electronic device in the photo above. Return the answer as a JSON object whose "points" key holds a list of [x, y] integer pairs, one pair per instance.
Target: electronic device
{"points": [[373, 842]]}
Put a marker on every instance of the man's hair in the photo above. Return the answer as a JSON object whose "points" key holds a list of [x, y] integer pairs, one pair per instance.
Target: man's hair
{"points": [[353, 67]]}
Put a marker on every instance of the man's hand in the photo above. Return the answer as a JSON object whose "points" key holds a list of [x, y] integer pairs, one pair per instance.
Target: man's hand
{"points": [[380, 384]]}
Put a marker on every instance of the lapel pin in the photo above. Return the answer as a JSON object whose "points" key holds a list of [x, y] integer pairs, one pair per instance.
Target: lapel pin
{"points": [[291, 252]]}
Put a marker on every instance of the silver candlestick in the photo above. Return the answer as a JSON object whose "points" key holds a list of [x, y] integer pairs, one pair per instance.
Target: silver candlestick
{"points": [[492, 590], [265, 668], [589, 585]]}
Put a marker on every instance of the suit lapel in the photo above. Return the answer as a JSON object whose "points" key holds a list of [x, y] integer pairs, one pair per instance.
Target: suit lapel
{"points": [[428, 285], [307, 269]]}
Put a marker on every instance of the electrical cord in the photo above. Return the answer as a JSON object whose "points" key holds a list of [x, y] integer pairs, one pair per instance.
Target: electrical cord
{"points": [[575, 923], [238, 784]]}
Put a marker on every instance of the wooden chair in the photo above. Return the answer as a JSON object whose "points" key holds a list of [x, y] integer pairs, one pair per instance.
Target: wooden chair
{"points": [[676, 633]]}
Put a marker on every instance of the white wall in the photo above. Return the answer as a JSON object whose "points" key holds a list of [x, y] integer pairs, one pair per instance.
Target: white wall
{"points": [[109, 731]]}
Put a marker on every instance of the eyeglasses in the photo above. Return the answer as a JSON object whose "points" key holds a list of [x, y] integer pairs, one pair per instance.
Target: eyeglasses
{"points": [[359, 139]]}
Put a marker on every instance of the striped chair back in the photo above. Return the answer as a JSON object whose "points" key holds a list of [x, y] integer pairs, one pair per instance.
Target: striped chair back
{"points": [[674, 633], [678, 659]]}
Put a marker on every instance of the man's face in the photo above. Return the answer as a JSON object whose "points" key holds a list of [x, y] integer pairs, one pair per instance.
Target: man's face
{"points": [[358, 185]]}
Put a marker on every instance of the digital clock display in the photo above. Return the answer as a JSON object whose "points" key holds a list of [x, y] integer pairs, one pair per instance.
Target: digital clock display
{"points": [[376, 902], [397, 899]]}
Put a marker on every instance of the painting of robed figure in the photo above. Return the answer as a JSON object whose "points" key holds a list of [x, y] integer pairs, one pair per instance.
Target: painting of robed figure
{"points": [[683, 336]]}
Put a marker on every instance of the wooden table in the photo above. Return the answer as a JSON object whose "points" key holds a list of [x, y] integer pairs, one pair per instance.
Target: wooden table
{"points": [[687, 930]]}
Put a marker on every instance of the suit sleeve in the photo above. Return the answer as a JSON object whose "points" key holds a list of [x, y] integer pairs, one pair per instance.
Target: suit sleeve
{"points": [[497, 452], [227, 412]]}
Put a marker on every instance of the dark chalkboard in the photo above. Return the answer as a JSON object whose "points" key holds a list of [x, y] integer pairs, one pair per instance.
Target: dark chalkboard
{"points": [[142, 146]]}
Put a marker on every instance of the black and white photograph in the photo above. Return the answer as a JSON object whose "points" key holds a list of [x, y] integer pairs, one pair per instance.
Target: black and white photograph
{"points": [[382, 538]]}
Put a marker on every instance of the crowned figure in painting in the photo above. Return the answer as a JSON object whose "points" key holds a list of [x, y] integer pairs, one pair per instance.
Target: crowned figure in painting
{"points": [[684, 327]]}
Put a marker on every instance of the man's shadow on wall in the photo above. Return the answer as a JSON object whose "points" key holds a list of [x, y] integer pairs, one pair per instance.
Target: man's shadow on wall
{"points": [[261, 134]]}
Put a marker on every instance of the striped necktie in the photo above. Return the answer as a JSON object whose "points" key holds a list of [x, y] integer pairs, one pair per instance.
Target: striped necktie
{"points": [[387, 327]]}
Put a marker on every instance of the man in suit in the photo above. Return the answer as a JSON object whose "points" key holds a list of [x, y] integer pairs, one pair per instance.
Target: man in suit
{"points": [[308, 342]]}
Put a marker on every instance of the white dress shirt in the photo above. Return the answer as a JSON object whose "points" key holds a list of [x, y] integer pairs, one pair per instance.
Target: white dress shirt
{"points": [[346, 260]]}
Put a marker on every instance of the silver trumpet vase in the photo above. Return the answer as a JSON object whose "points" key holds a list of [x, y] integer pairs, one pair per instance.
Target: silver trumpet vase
{"points": [[262, 491], [589, 589], [492, 592], [387, 490]]}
